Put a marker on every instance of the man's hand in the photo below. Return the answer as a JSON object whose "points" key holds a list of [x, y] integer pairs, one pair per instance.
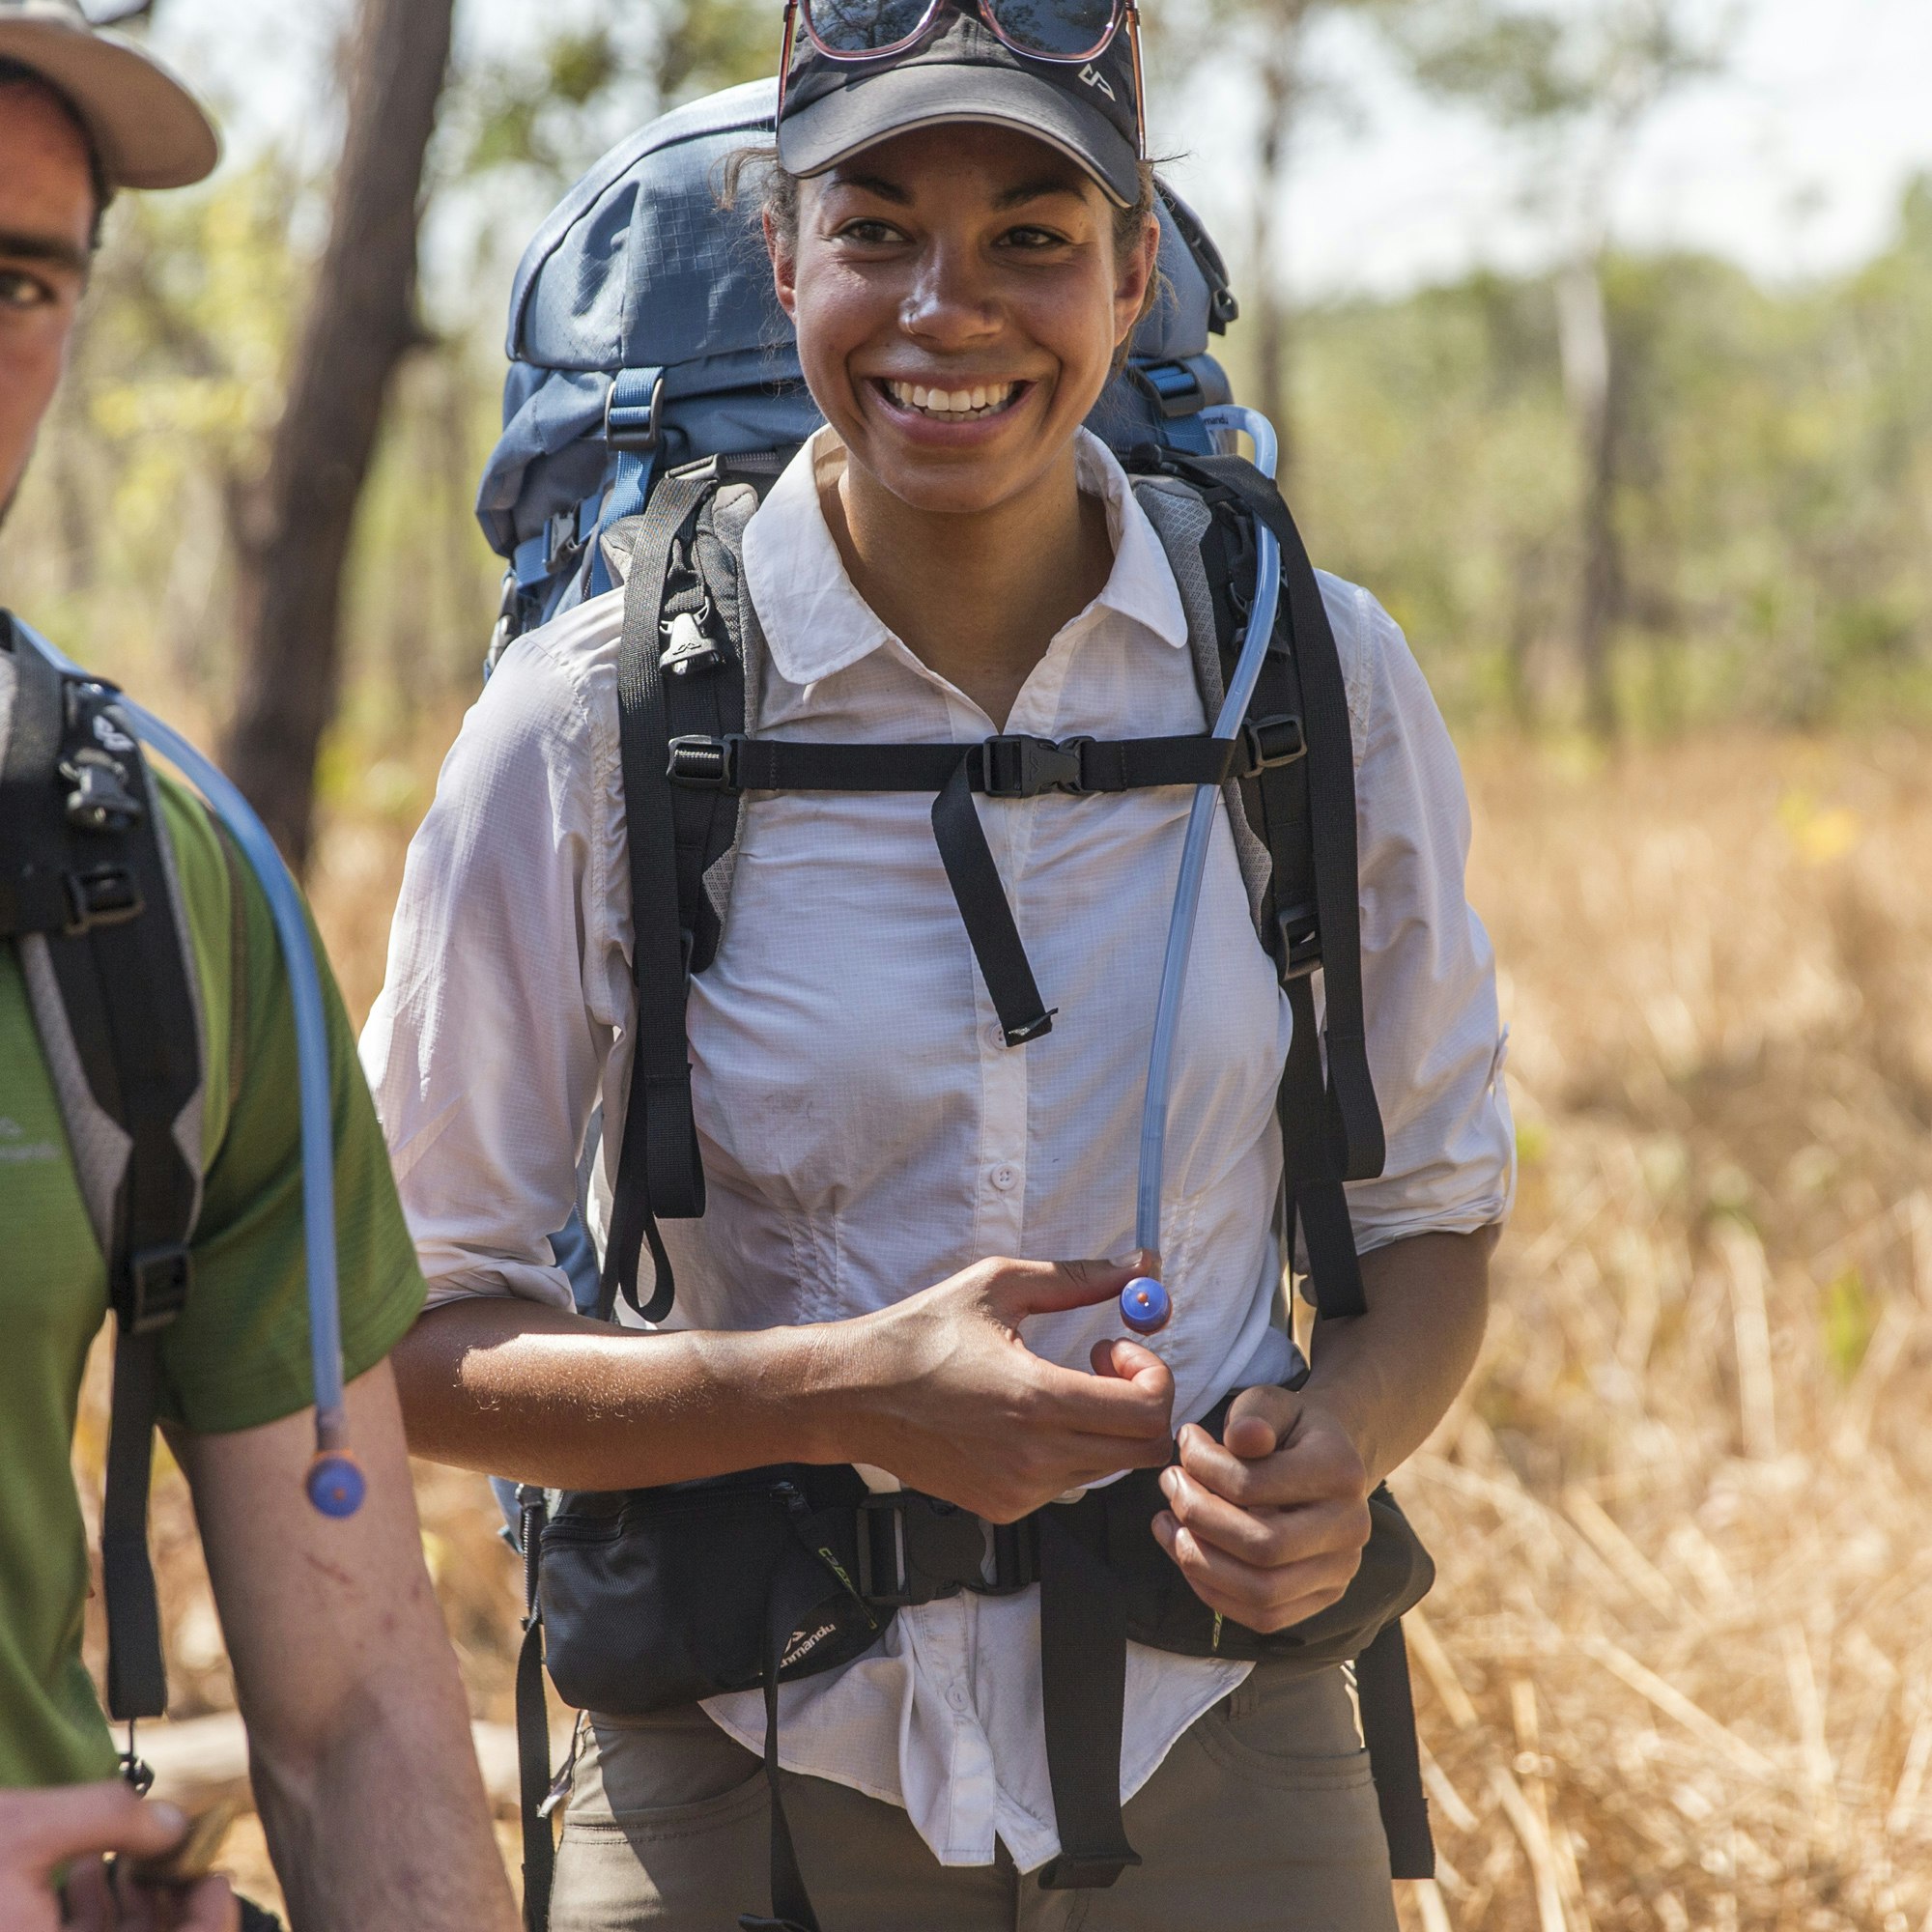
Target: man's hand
{"points": [[74, 1824], [1268, 1525], [955, 1404]]}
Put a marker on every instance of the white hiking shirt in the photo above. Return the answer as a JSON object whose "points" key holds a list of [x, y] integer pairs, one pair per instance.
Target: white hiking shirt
{"points": [[865, 1133]]}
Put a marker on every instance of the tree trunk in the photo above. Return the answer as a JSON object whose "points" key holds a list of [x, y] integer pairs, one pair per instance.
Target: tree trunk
{"points": [[292, 530], [1584, 338], [1280, 78]]}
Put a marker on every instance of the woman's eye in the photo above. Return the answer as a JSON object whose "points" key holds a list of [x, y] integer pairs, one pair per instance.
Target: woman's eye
{"points": [[870, 231], [19, 290], [1033, 240]]}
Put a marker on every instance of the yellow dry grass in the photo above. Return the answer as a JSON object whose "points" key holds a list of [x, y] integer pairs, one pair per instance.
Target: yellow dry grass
{"points": [[1677, 1671]]}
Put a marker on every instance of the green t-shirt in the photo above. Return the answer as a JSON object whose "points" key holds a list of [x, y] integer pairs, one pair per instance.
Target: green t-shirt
{"points": [[238, 1356]]}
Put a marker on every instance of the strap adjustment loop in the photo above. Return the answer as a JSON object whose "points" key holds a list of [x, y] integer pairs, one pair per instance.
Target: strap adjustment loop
{"points": [[1271, 742], [1300, 942], [705, 764], [157, 1285], [102, 895]]}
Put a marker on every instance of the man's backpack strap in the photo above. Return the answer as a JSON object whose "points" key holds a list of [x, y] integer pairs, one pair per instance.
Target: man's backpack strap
{"points": [[87, 890], [1303, 813]]}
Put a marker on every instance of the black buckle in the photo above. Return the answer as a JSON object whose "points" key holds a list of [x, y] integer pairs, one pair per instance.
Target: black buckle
{"points": [[106, 896], [1272, 742], [562, 544], [900, 1595], [688, 645], [157, 1285], [1015, 765], [705, 764], [1300, 942], [100, 800]]}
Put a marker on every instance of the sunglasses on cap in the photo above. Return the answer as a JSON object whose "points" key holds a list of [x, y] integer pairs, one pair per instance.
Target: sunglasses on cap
{"points": [[1065, 32]]}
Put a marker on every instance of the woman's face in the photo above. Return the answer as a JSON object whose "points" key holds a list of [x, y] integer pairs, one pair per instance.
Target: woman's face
{"points": [[958, 302]]}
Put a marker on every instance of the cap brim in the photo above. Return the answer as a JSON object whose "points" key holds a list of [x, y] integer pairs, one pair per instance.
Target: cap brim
{"points": [[150, 131], [893, 101]]}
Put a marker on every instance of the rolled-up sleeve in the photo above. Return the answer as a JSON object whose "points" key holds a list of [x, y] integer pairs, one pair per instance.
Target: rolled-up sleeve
{"points": [[1429, 986], [484, 1048]]}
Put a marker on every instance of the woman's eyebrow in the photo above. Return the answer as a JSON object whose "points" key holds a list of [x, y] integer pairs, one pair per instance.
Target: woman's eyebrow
{"points": [[878, 185], [1044, 189]]}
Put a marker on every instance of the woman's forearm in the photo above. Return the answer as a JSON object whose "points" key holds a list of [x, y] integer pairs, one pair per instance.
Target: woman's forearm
{"points": [[542, 1396], [1388, 1377]]}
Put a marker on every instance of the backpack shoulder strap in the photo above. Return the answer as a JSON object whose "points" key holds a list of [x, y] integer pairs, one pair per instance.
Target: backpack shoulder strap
{"points": [[1301, 813], [88, 893], [681, 674]]}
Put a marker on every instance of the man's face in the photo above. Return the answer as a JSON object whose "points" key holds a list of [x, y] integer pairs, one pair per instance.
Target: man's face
{"points": [[47, 219]]}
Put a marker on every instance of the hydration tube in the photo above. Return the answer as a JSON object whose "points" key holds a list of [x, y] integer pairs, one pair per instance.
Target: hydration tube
{"points": [[1146, 1306], [335, 1481]]}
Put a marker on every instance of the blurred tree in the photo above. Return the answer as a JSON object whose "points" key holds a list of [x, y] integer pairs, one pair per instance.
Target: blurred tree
{"points": [[1580, 79], [1269, 41], [292, 529]]}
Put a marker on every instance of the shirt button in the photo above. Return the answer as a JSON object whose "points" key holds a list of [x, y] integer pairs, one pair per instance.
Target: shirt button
{"points": [[956, 1698], [995, 1035], [1006, 1177]]}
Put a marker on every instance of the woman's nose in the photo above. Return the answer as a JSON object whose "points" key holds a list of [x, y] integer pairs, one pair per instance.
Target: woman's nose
{"points": [[949, 303]]}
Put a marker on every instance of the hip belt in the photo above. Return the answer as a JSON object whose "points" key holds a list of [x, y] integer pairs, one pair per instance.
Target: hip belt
{"points": [[643, 1600]]}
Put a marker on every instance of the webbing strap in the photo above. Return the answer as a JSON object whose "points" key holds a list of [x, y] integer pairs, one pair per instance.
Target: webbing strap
{"points": [[1083, 1680], [658, 1169], [791, 1903], [1388, 1730], [138, 1684], [533, 1722], [988, 918], [1007, 766]]}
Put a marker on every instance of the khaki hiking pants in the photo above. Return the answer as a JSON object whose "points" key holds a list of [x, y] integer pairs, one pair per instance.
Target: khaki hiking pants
{"points": [[1261, 1819]]}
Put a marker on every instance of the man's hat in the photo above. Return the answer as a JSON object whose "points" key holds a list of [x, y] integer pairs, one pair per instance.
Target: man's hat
{"points": [[147, 128], [963, 72]]}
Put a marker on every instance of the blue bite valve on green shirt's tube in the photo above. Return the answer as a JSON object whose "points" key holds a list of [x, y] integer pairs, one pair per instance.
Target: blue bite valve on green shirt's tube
{"points": [[335, 1482], [1146, 1306]]}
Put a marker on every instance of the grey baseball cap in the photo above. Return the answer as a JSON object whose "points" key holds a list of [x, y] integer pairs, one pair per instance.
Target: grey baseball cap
{"points": [[149, 130]]}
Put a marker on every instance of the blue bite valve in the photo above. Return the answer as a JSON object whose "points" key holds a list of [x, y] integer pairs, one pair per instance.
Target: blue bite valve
{"points": [[1146, 1306], [334, 1483]]}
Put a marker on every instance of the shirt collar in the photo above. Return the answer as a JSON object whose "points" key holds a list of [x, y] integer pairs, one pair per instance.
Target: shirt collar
{"points": [[815, 622]]}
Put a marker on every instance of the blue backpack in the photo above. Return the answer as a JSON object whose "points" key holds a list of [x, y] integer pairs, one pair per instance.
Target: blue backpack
{"points": [[654, 395]]}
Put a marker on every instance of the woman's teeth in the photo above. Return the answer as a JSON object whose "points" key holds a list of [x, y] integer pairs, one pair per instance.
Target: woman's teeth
{"points": [[953, 405]]}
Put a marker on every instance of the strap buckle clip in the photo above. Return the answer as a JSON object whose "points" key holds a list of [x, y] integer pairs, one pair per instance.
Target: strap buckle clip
{"points": [[1300, 942], [628, 427], [157, 1285], [1271, 742], [102, 895], [688, 645], [1015, 765], [705, 764], [897, 1594]]}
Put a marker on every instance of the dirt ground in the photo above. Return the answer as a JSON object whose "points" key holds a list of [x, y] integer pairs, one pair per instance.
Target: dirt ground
{"points": [[1677, 1671]]}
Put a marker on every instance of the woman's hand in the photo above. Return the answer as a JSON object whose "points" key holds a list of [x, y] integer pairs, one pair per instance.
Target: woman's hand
{"points": [[74, 1825], [951, 1400], [1268, 1525]]}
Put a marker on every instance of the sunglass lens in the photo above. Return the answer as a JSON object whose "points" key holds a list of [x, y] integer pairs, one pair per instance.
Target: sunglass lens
{"points": [[863, 26], [1062, 28]]}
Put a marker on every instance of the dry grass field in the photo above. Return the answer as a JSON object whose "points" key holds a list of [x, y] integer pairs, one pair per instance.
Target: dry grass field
{"points": [[1678, 1669]]}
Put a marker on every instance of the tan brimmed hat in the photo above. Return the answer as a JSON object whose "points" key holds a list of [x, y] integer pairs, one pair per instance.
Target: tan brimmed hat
{"points": [[150, 131]]}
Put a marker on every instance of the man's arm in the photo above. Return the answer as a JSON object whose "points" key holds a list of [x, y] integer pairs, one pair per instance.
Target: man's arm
{"points": [[1268, 1525], [358, 1733]]}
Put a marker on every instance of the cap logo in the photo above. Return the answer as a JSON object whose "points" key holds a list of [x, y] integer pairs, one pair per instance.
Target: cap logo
{"points": [[1094, 77]]}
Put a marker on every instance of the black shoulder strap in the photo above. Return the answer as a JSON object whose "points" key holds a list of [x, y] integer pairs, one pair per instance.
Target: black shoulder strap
{"points": [[81, 866], [1303, 810], [678, 675]]}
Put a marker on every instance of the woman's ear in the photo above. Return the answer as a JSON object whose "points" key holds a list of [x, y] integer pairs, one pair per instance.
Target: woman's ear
{"points": [[784, 268], [1134, 290]]}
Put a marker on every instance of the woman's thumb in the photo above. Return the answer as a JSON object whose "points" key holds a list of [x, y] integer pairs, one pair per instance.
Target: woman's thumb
{"points": [[1045, 1287]]}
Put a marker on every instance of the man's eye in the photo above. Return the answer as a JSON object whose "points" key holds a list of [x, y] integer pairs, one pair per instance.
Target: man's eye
{"points": [[19, 290]]}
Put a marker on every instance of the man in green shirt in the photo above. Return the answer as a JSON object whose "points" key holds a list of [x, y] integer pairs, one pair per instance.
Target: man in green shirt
{"points": [[361, 1758]]}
